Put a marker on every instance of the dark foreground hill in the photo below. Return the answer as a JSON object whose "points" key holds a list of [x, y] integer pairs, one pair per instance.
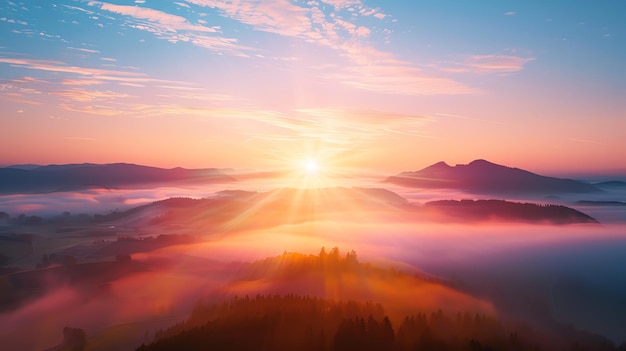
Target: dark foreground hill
{"points": [[292, 321], [275, 323], [55, 178], [484, 177]]}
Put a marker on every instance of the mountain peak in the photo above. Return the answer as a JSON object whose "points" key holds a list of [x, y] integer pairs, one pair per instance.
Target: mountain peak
{"points": [[482, 176], [482, 162], [439, 165]]}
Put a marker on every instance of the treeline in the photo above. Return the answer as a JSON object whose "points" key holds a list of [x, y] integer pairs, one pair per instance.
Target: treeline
{"points": [[506, 210], [325, 265], [68, 218], [291, 264], [65, 218], [294, 322]]}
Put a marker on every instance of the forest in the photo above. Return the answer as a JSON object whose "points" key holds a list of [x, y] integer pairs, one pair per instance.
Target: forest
{"points": [[294, 322], [291, 321]]}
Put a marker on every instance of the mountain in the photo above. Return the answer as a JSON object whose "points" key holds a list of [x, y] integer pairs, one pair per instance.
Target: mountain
{"points": [[54, 178], [24, 166], [484, 177]]}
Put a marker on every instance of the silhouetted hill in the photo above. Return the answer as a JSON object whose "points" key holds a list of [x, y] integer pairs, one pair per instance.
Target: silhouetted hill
{"points": [[481, 176], [600, 203], [351, 284], [243, 209], [293, 322], [499, 210], [24, 166], [71, 177]]}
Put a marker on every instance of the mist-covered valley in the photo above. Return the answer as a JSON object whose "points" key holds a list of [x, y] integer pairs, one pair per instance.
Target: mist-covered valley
{"points": [[120, 274]]}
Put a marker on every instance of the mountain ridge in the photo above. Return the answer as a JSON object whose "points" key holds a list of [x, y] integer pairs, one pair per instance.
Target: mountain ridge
{"points": [[482, 176], [54, 178]]}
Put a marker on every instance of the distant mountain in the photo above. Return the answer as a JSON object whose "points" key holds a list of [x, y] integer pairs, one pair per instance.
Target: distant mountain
{"points": [[70, 177], [482, 176], [24, 166]]}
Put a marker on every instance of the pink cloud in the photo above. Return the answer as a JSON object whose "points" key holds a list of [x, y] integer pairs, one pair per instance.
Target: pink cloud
{"points": [[60, 67], [483, 64], [397, 79], [279, 16], [89, 51], [169, 22], [363, 31], [88, 95], [342, 4], [367, 68], [94, 110], [79, 82], [175, 28], [497, 63]]}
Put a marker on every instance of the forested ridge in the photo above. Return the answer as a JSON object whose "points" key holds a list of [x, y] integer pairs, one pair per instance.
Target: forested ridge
{"points": [[293, 322]]}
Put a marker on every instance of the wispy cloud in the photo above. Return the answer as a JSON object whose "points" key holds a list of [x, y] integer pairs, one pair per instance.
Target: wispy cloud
{"points": [[497, 63], [346, 126], [85, 75], [481, 64], [341, 4], [399, 78], [79, 82], [60, 67], [82, 95], [120, 93], [277, 16], [89, 51], [332, 24], [367, 68], [161, 21], [174, 28]]}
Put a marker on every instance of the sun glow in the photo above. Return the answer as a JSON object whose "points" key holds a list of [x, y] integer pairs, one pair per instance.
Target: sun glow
{"points": [[311, 167], [311, 172]]}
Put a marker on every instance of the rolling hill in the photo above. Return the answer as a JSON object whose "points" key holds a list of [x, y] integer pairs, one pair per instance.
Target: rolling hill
{"points": [[246, 210]]}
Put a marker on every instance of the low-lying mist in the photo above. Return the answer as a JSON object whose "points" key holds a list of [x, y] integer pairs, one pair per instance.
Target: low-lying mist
{"points": [[546, 275], [571, 274]]}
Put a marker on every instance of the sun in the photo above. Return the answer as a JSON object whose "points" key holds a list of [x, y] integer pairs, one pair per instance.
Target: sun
{"points": [[311, 172], [311, 167]]}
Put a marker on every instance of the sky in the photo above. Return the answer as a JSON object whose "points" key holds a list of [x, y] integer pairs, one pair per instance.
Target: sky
{"points": [[387, 86]]}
